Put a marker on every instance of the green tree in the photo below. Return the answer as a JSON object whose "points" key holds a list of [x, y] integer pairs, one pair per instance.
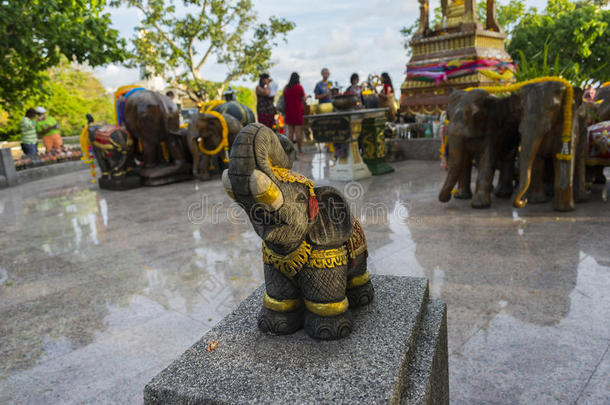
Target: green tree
{"points": [[69, 94], [572, 36], [247, 97], [178, 47], [36, 34]]}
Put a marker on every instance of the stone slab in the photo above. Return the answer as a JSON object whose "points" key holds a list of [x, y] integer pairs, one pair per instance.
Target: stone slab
{"points": [[249, 367], [416, 149], [37, 173], [428, 372], [7, 168]]}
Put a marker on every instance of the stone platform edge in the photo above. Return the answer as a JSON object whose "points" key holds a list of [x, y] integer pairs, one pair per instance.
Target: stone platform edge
{"points": [[10, 177], [416, 367]]}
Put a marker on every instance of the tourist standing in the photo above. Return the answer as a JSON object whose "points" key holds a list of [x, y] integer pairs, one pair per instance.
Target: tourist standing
{"points": [[48, 128], [322, 90], [265, 110], [29, 139], [294, 97], [386, 97], [355, 89]]}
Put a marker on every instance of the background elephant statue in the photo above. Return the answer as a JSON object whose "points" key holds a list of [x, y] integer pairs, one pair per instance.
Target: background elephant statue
{"points": [[589, 168], [153, 119], [205, 130], [238, 110], [541, 111], [114, 151], [314, 252], [481, 127]]}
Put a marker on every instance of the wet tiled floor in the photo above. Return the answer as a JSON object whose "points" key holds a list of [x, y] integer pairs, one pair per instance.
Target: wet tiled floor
{"points": [[100, 290]]}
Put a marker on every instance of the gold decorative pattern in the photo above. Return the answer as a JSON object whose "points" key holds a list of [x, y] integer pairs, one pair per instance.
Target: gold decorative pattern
{"points": [[289, 264], [356, 244], [328, 258], [281, 305], [268, 196], [288, 176], [357, 281], [327, 309]]}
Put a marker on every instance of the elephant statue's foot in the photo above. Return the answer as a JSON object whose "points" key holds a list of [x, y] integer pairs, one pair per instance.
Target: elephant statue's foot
{"points": [[280, 323], [599, 179], [503, 191], [164, 170], [361, 295], [581, 195], [328, 327], [481, 200], [537, 197], [203, 176], [463, 194]]}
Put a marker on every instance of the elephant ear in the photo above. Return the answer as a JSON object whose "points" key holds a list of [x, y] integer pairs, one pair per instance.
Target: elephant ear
{"points": [[333, 224]]}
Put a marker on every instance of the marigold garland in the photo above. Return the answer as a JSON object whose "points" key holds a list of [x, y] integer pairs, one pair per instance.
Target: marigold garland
{"points": [[207, 108], [566, 133], [224, 143], [86, 150]]}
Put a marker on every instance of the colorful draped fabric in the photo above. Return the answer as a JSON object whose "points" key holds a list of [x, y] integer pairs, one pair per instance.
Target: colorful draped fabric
{"points": [[119, 101], [493, 68]]}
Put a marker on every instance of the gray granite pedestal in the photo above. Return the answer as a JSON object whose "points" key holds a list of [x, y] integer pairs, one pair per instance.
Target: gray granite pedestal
{"points": [[397, 353]]}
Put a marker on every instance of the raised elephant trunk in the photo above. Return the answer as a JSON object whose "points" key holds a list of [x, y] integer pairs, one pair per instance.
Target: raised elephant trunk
{"points": [[254, 150]]}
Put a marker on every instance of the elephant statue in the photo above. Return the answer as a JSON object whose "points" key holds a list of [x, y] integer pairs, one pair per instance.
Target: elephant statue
{"points": [[205, 132], [481, 127], [238, 110], [153, 120], [114, 151], [541, 111], [590, 168], [314, 251], [204, 139]]}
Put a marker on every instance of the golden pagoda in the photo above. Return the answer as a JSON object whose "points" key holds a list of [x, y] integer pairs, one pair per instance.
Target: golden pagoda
{"points": [[458, 53]]}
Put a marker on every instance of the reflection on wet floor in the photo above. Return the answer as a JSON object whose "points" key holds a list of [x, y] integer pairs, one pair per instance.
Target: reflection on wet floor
{"points": [[100, 290]]}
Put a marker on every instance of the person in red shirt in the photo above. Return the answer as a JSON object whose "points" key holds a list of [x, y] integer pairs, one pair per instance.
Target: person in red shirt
{"points": [[386, 97], [294, 97]]}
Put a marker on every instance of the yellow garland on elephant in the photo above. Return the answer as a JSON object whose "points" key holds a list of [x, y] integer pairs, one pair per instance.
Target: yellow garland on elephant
{"points": [[224, 143], [566, 133], [209, 105]]}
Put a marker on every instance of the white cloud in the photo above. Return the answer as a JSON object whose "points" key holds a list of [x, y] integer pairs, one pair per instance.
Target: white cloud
{"points": [[344, 35]]}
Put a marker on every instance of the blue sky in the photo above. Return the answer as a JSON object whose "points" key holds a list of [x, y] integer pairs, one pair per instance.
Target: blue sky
{"points": [[346, 36]]}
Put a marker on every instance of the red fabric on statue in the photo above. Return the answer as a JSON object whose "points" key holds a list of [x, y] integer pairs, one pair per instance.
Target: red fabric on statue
{"points": [[294, 104]]}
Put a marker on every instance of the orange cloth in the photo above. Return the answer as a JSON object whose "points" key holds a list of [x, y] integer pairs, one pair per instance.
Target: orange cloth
{"points": [[52, 141]]}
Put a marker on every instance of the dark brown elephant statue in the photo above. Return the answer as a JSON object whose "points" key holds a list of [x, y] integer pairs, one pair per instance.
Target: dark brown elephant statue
{"points": [[314, 251], [204, 139], [541, 111], [481, 127], [153, 119], [205, 132], [114, 151], [589, 169]]}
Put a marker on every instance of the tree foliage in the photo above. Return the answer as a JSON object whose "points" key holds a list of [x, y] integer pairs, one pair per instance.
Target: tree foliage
{"points": [[575, 33], [69, 94], [178, 47], [36, 34]]}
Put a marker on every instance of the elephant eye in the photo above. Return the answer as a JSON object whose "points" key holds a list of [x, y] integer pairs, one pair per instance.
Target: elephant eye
{"points": [[301, 197]]}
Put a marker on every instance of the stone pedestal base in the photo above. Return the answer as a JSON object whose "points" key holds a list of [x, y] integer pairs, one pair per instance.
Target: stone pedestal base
{"points": [[397, 352], [414, 149], [351, 167], [121, 183]]}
